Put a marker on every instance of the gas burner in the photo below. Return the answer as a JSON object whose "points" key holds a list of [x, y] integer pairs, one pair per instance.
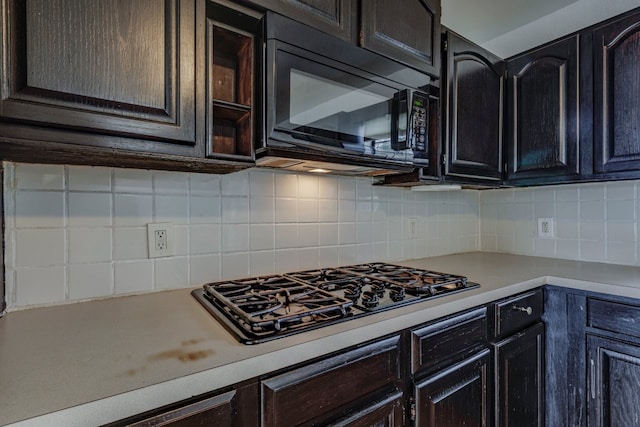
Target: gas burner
{"points": [[268, 307], [352, 292], [397, 293], [378, 288], [370, 299]]}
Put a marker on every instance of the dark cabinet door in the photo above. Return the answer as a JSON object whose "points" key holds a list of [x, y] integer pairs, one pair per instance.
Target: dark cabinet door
{"points": [[387, 412], [457, 396], [614, 382], [616, 59], [336, 17], [122, 68], [329, 390], [407, 31], [520, 379], [235, 408], [473, 111], [543, 113]]}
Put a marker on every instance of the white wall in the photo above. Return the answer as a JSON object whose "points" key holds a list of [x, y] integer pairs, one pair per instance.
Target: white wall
{"points": [[75, 233], [567, 20]]}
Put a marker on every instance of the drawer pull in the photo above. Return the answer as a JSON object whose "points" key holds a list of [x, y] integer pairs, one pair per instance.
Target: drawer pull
{"points": [[527, 310]]}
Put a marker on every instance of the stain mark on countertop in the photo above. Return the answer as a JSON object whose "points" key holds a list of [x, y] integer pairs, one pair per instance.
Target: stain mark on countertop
{"points": [[193, 341], [181, 355], [131, 372]]}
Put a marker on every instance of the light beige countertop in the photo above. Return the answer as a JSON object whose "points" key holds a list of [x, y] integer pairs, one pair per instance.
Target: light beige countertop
{"points": [[95, 362]]}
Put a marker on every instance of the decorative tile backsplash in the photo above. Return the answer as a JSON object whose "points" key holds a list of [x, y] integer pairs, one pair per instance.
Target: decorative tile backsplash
{"points": [[75, 233]]}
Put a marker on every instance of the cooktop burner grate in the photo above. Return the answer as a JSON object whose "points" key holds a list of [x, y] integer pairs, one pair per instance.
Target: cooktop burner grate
{"points": [[269, 307]]}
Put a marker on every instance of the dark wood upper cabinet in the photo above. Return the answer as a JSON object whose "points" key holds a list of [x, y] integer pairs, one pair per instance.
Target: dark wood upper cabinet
{"points": [[234, 46], [543, 113], [616, 74], [122, 68], [336, 17], [407, 31], [473, 91]]}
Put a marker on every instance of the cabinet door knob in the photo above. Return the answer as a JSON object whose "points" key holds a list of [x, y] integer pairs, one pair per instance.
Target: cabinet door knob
{"points": [[527, 310]]}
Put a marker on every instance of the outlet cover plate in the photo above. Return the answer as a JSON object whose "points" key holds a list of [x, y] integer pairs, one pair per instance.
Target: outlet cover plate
{"points": [[160, 239], [545, 227], [412, 228]]}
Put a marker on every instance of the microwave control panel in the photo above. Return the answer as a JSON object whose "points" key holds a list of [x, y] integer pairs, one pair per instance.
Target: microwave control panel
{"points": [[419, 135]]}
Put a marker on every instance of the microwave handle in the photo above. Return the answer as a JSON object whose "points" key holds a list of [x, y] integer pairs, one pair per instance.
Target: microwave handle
{"points": [[400, 108]]}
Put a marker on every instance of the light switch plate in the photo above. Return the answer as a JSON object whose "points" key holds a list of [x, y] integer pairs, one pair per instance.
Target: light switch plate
{"points": [[160, 239]]}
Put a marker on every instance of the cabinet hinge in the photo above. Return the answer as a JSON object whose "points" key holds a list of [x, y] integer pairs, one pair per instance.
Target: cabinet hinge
{"points": [[506, 168], [445, 45], [444, 160], [412, 411]]}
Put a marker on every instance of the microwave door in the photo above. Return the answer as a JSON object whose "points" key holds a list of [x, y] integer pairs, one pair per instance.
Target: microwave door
{"points": [[331, 109], [400, 138]]}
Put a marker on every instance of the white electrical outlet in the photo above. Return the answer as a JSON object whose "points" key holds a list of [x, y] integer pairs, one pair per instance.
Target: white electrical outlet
{"points": [[160, 239], [412, 227], [545, 227]]}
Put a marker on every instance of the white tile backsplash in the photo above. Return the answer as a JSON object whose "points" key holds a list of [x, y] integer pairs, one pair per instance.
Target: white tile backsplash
{"points": [[130, 243], [133, 276], [90, 280], [204, 269], [39, 209], [134, 181], [172, 273], [132, 210], [593, 222], [172, 209], [165, 182], [39, 177], [39, 286], [89, 178], [75, 232], [89, 245], [40, 247], [89, 209]]}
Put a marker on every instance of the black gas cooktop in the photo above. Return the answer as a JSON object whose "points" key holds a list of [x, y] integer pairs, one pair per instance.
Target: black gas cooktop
{"points": [[264, 308]]}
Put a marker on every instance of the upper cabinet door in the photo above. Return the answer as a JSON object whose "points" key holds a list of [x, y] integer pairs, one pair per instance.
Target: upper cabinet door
{"points": [[117, 67], [543, 116], [474, 104], [407, 31], [336, 17], [616, 58]]}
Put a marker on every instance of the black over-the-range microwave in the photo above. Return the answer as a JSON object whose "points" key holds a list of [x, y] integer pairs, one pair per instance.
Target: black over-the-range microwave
{"points": [[331, 106]]}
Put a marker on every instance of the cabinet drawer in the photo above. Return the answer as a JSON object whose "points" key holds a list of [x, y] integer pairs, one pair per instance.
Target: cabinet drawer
{"points": [[614, 316], [327, 390], [515, 313], [449, 340]]}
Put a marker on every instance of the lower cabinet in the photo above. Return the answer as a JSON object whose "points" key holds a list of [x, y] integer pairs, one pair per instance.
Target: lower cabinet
{"points": [[458, 396], [519, 360], [356, 387], [236, 407], [519, 365], [614, 382], [593, 363]]}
